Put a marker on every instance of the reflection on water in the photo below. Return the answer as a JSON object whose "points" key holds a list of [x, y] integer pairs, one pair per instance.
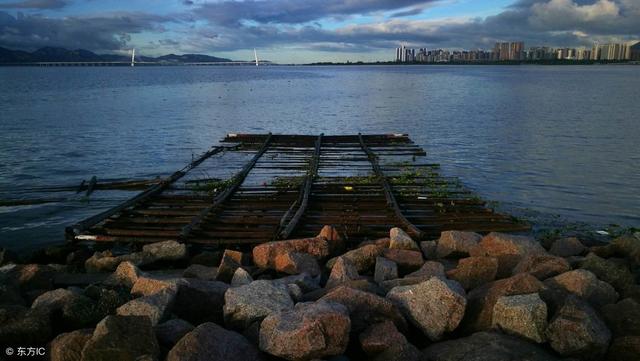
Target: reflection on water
{"points": [[556, 140]]}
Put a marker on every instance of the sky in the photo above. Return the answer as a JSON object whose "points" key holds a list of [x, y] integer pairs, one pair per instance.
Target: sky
{"points": [[302, 31]]}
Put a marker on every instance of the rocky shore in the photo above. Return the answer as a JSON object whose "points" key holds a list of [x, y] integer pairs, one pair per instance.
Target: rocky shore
{"points": [[463, 296]]}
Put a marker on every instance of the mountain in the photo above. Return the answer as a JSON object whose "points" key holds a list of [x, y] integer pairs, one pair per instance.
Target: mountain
{"points": [[51, 54]]}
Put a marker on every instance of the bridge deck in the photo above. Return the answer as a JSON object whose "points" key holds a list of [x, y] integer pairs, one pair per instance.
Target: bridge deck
{"points": [[260, 187]]}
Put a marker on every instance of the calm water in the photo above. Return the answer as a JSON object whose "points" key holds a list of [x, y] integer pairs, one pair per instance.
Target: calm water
{"points": [[547, 141]]}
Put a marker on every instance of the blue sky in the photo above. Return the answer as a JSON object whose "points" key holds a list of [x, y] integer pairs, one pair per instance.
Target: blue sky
{"points": [[298, 31]]}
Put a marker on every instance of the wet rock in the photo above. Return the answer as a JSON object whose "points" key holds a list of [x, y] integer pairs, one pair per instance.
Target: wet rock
{"points": [[407, 261], [156, 307], [435, 306], [210, 342], [200, 301], [428, 249], [126, 274], [201, 272], [253, 302], [122, 338], [625, 348], [487, 346], [264, 255], [472, 272], [365, 308], [165, 251], [385, 270], [331, 234], [457, 244], [623, 318], [68, 346], [613, 271], [585, 285], [567, 247], [364, 258], [241, 277], [399, 239], [19, 325], [521, 315], [170, 332], [508, 249], [429, 269], [311, 330], [343, 271], [149, 285], [296, 263], [542, 266], [231, 261], [481, 300], [576, 330]]}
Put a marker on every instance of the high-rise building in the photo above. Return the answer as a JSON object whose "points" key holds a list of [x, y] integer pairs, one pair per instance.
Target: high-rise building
{"points": [[510, 51], [634, 51]]}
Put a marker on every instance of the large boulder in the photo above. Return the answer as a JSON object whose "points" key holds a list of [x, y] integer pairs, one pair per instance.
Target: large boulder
{"points": [[210, 342], [399, 239], [623, 318], [385, 270], [68, 309], [122, 338], [156, 307], [264, 255], [31, 277], [170, 332], [365, 308], [164, 251], [68, 346], [383, 341], [542, 266], [567, 247], [343, 270], [407, 260], [230, 262], [472, 272], [126, 275], [241, 277], [364, 258], [435, 306], [585, 285], [429, 249], [457, 244], [200, 301], [625, 348], [19, 325], [251, 303], [147, 285], [107, 262], [613, 271], [487, 346], [508, 249], [311, 330], [331, 234], [428, 269], [521, 315], [481, 300], [576, 330], [297, 262], [201, 272]]}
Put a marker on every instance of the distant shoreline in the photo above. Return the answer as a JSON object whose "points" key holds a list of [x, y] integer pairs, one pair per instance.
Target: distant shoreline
{"points": [[495, 63]]}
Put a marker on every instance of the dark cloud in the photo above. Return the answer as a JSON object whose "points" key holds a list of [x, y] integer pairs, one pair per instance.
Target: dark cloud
{"points": [[35, 4]]}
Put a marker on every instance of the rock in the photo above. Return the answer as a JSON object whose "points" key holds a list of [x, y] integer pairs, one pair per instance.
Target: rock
{"points": [[126, 274], [207, 258], [210, 342], [508, 249], [481, 300], [251, 303], [542, 266], [457, 244], [10, 295], [385, 270], [231, 261], [156, 307], [613, 271], [576, 330], [364, 258], [406, 281], [264, 255], [628, 246], [311, 330], [343, 270], [435, 306], [625, 348], [55, 299], [68, 346], [585, 285], [623, 318], [429, 269], [201, 272], [295, 292], [107, 300], [383, 341], [7, 256], [428, 249], [71, 309], [200, 301], [31, 277], [567, 247], [399, 239], [165, 251], [122, 338], [19, 325], [240, 278], [296, 263], [474, 271], [521, 315], [331, 234], [407, 261], [365, 308], [304, 281], [170, 332], [148, 285], [487, 346], [107, 262]]}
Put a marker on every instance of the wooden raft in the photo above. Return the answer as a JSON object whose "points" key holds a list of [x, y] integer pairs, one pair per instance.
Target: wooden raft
{"points": [[261, 187]]}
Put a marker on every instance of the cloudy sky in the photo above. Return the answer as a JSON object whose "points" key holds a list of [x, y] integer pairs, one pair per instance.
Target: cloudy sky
{"points": [[298, 31]]}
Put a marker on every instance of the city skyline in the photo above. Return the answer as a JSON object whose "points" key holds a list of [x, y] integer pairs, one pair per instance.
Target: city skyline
{"points": [[289, 31]]}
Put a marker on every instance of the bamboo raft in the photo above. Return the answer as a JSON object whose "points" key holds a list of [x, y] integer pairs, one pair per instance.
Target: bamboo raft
{"points": [[255, 188]]}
